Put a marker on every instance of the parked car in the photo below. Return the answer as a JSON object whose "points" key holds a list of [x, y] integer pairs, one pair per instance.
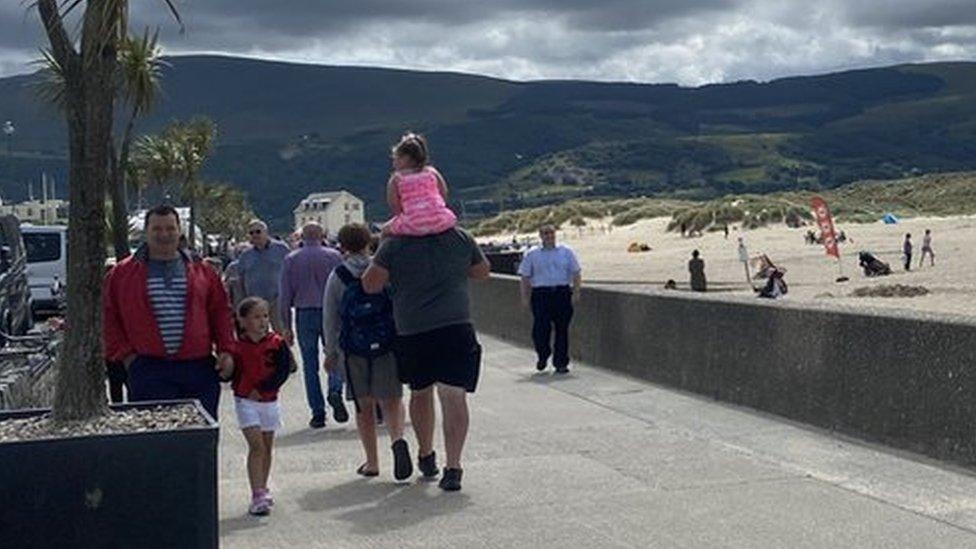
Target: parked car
{"points": [[47, 265], [15, 298]]}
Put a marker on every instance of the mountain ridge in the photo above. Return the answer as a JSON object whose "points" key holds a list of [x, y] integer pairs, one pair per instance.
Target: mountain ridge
{"points": [[287, 129]]}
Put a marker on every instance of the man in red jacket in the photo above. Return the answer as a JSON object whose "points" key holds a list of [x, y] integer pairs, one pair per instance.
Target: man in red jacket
{"points": [[165, 313]]}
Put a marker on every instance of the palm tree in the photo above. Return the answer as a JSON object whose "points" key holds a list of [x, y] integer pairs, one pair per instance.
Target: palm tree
{"points": [[140, 69], [193, 141], [89, 64]]}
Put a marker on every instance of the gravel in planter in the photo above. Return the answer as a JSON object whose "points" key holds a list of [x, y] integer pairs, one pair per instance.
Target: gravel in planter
{"points": [[159, 418]]}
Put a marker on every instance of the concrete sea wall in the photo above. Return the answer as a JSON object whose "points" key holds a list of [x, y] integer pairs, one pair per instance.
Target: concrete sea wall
{"points": [[900, 378]]}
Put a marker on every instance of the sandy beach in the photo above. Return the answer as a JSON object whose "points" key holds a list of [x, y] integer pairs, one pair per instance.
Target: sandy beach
{"points": [[811, 274]]}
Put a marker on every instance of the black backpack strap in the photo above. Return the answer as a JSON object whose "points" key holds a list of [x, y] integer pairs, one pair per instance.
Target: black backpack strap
{"points": [[345, 275]]}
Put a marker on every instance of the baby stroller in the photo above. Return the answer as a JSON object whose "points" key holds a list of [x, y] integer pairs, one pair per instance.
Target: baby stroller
{"points": [[872, 265]]}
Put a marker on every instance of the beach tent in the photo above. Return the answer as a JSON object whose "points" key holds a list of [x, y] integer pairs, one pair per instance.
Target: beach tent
{"points": [[890, 219]]}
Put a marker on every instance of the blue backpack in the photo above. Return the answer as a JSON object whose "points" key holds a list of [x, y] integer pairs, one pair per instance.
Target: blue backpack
{"points": [[367, 319]]}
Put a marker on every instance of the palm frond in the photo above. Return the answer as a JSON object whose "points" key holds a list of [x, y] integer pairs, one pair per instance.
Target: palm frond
{"points": [[51, 86]]}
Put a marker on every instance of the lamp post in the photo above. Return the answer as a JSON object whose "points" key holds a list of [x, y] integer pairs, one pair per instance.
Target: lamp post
{"points": [[8, 132]]}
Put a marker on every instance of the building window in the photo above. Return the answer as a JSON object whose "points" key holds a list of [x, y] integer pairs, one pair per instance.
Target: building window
{"points": [[355, 206]]}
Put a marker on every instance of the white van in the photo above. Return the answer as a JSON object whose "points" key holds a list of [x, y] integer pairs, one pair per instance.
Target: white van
{"points": [[47, 263]]}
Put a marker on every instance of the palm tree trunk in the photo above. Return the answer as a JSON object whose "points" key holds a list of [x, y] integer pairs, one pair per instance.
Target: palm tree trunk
{"points": [[192, 190], [120, 214], [80, 387]]}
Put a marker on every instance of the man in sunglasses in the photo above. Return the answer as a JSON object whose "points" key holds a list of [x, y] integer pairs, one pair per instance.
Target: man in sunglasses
{"points": [[259, 269]]}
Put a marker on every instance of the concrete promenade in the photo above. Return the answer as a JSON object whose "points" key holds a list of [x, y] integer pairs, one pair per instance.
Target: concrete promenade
{"points": [[597, 459]]}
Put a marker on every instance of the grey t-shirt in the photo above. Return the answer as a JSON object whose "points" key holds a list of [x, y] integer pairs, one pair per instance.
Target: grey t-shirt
{"points": [[429, 278]]}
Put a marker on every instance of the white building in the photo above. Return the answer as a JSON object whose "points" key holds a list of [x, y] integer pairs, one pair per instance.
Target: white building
{"points": [[332, 210], [39, 212]]}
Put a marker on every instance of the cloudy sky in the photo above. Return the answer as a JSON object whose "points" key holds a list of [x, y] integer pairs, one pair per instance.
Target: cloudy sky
{"points": [[686, 41]]}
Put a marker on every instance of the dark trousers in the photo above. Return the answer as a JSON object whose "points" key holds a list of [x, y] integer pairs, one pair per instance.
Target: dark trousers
{"points": [[908, 261], [552, 307], [164, 379], [116, 380]]}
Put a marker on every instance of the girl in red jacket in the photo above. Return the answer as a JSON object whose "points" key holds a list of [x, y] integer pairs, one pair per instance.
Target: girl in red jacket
{"points": [[262, 361]]}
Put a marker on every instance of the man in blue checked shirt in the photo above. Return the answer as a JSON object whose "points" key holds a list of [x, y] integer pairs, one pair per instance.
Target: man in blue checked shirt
{"points": [[551, 286]]}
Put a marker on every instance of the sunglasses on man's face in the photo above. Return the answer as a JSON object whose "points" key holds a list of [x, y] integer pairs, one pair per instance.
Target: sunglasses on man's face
{"points": [[255, 231]]}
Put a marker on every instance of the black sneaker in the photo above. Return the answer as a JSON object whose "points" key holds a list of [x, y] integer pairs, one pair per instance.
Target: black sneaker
{"points": [[562, 370], [338, 407], [402, 468], [317, 421], [428, 465], [540, 365], [451, 481]]}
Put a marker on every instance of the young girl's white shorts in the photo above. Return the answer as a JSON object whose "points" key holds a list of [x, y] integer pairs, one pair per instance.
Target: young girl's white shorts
{"points": [[251, 413]]}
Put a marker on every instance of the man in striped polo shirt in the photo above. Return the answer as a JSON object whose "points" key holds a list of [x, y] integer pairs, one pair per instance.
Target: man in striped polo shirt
{"points": [[165, 314]]}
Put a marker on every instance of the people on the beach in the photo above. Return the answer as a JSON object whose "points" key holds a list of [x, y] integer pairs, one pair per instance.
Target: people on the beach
{"points": [[550, 284], [304, 273], [927, 249], [262, 360], [696, 269], [259, 269], [775, 286], [436, 343], [907, 251], [416, 192], [359, 336], [165, 311]]}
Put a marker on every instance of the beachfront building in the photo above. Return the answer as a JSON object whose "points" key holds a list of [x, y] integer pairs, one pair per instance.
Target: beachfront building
{"points": [[331, 209], [51, 211]]}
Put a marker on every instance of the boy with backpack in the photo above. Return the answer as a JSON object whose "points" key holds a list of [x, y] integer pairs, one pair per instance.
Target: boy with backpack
{"points": [[359, 332]]}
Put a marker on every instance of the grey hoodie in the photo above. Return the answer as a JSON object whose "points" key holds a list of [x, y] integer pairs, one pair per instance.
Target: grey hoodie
{"points": [[334, 288]]}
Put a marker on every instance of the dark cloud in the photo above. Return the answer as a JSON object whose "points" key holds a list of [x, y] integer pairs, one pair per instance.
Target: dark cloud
{"points": [[690, 41], [908, 14]]}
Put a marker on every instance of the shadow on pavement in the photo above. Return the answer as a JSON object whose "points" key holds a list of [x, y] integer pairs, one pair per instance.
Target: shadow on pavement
{"points": [[311, 436], [236, 524], [545, 378], [377, 506]]}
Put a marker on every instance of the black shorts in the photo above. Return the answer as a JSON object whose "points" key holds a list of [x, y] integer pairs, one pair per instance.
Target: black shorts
{"points": [[450, 355]]}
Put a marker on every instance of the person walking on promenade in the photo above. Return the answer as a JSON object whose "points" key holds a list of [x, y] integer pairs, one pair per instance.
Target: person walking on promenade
{"points": [[551, 280], [259, 269], [303, 276], [164, 313], [359, 335], [907, 251], [696, 268], [927, 249], [436, 343], [263, 361]]}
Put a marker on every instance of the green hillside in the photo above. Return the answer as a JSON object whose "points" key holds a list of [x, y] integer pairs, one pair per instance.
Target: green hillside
{"points": [[289, 129]]}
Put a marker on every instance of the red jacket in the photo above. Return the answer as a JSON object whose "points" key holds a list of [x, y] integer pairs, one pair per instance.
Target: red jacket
{"points": [[130, 323], [261, 366]]}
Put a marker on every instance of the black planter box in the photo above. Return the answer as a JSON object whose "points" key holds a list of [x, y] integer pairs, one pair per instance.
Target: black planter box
{"points": [[152, 489]]}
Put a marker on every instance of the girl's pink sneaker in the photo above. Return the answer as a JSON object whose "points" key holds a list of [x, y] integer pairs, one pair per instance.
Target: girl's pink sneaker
{"points": [[259, 506]]}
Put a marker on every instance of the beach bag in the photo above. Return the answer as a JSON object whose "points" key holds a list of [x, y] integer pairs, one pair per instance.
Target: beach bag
{"points": [[368, 329]]}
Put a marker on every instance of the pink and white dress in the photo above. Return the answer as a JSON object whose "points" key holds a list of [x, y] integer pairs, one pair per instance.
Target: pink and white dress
{"points": [[424, 209]]}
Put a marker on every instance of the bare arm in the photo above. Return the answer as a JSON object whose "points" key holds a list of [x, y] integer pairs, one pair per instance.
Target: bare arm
{"points": [[375, 279], [392, 197], [441, 184], [480, 271], [525, 287]]}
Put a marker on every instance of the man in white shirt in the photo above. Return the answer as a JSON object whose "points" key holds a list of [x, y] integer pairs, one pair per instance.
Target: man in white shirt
{"points": [[551, 285]]}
